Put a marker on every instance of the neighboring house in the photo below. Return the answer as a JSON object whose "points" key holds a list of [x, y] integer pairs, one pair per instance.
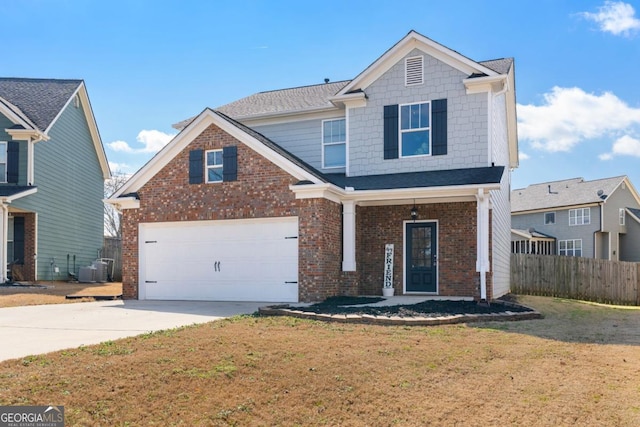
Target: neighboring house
{"points": [[574, 217], [52, 172], [292, 195]]}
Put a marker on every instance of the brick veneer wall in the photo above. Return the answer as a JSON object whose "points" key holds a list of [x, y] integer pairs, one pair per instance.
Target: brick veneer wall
{"points": [[379, 225], [261, 191], [28, 269]]}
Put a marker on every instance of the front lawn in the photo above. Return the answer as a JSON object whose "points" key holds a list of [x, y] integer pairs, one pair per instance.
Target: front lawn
{"points": [[580, 365]]}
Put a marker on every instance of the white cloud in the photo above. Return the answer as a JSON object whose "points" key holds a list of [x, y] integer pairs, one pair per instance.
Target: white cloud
{"points": [[617, 18], [624, 146], [118, 167], [120, 146], [523, 156], [152, 141], [569, 116]]}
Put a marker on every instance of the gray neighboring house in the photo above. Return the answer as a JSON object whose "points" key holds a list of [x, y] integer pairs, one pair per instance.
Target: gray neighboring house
{"points": [[52, 172], [593, 219]]}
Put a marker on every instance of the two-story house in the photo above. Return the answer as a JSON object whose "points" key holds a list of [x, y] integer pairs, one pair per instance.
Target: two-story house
{"points": [[296, 194], [574, 217], [52, 172]]}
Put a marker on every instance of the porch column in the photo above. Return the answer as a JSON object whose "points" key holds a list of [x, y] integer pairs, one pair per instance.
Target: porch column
{"points": [[482, 239], [348, 235], [4, 226]]}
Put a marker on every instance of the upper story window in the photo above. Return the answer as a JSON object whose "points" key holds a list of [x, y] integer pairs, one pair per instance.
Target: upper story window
{"points": [[334, 143], [581, 216], [415, 129], [3, 161], [414, 70], [549, 218], [214, 167], [571, 247], [621, 215]]}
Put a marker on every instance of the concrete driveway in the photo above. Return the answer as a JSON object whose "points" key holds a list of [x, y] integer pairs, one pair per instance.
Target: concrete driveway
{"points": [[44, 328]]}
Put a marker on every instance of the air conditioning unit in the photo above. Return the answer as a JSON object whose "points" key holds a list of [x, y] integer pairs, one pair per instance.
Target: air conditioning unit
{"points": [[87, 275], [101, 271]]}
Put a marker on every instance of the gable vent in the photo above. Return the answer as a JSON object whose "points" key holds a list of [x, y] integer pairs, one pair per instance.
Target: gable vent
{"points": [[414, 70]]}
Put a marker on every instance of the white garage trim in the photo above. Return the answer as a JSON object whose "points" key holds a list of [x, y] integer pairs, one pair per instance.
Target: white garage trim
{"points": [[226, 260]]}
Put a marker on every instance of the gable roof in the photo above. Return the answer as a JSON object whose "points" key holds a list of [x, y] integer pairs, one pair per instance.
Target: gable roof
{"points": [[37, 104], [568, 192], [254, 140], [40, 100]]}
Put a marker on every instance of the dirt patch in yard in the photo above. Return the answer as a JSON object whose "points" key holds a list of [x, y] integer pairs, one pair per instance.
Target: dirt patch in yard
{"points": [[574, 367], [20, 294]]}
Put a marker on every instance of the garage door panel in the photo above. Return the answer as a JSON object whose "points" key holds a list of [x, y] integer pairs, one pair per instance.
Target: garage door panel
{"points": [[248, 260]]}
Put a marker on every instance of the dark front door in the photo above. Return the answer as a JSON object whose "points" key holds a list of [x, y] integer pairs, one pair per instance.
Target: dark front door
{"points": [[421, 257]]}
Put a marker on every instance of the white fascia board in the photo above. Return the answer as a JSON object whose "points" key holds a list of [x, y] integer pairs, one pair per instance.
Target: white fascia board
{"points": [[485, 84], [27, 135], [401, 195], [81, 93], [632, 215], [188, 134], [9, 199], [412, 41], [351, 100], [123, 203]]}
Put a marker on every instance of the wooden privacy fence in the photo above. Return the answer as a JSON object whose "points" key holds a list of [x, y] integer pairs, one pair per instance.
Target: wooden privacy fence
{"points": [[112, 248], [612, 282]]}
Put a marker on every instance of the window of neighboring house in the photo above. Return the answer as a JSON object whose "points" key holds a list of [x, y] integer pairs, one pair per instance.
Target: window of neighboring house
{"points": [[3, 161], [570, 247], [214, 165], [549, 218], [415, 129], [621, 215], [580, 216], [334, 143]]}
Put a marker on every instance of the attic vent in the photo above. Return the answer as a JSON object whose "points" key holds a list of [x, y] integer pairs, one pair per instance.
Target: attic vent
{"points": [[414, 70]]}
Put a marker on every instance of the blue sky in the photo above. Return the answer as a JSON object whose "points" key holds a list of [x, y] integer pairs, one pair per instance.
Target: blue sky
{"points": [[148, 64]]}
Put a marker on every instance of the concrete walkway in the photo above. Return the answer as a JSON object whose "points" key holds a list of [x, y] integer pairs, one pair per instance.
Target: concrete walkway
{"points": [[44, 328]]}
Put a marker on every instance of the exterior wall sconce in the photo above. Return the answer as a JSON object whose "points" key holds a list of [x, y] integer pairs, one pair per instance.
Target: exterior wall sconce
{"points": [[414, 213]]}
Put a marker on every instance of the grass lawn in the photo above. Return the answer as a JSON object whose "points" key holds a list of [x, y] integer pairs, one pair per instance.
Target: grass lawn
{"points": [[54, 293], [580, 365]]}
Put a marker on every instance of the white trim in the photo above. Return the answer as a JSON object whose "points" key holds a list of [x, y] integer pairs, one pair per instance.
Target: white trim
{"points": [[9, 199], [412, 41], [490, 129], [192, 131], [30, 164], [482, 240], [324, 144], [35, 245], [401, 132], [216, 166], [404, 256], [3, 179], [347, 124], [123, 203], [574, 247], [15, 115]]}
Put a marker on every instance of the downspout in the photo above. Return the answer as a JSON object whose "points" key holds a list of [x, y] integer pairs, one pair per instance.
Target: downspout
{"points": [[482, 241], [3, 241]]}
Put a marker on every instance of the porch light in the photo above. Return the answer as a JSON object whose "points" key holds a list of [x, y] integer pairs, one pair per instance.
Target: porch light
{"points": [[414, 213]]}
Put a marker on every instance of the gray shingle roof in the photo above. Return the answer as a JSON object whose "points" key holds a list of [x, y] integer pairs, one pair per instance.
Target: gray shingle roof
{"points": [[39, 99], [440, 178], [501, 65], [569, 192]]}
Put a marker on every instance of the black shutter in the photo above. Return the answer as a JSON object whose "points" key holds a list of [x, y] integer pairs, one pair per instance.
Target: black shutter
{"points": [[196, 167], [18, 240], [230, 163], [391, 131], [439, 126], [13, 162]]}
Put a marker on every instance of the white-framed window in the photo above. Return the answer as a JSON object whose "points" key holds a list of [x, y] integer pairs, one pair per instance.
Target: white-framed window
{"points": [[415, 129], [580, 216], [549, 218], [3, 161], [571, 247], [334, 143], [621, 215], [414, 70], [214, 166]]}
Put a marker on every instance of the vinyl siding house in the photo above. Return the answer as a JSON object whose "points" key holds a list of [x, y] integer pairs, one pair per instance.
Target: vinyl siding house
{"points": [[295, 194], [574, 217], [52, 172]]}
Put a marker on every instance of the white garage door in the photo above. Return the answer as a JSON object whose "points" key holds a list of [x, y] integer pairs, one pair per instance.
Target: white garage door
{"points": [[232, 260]]}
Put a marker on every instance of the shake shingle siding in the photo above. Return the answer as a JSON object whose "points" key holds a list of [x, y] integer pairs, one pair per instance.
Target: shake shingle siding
{"points": [[68, 202]]}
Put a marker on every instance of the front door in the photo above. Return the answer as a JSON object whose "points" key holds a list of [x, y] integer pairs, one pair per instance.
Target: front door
{"points": [[421, 257]]}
